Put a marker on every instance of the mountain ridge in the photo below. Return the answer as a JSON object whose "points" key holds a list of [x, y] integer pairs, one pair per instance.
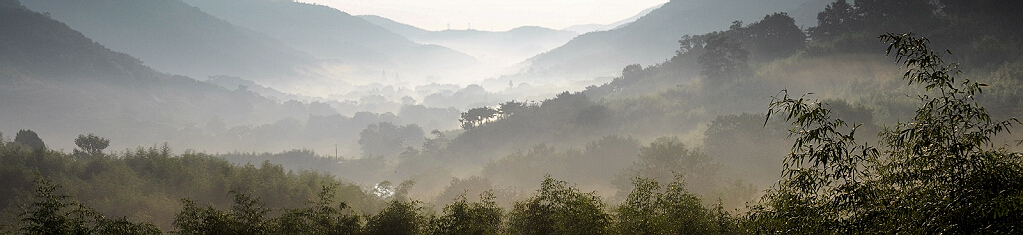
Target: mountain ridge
{"points": [[174, 37], [497, 49], [60, 83], [649, 40], [334, 35], [586, 28]]}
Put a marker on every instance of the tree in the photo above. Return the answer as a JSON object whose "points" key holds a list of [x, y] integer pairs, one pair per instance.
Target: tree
{"points": [[320, 217], [90, 145], [947, 175], [649, 209], [195, 220], [690, 43], [248, 215], [245, 217], [57, 214], [723, 58], [632, 71], [896, 15], [837, 18], [507, 109], [52, 213], [28, 138], [775, 36], [476, 117], [938, 173], [462, 217], [558, 208], [400, 217]]}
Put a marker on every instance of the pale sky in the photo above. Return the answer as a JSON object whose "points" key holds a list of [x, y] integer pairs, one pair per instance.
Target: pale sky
{"points": [[494, 15]]}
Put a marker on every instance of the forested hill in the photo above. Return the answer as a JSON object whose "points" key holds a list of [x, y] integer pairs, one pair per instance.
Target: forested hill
{"points": [[173, 37], [714, 91], [36, 46], [649, 40], [769, 55], [61, 83]]}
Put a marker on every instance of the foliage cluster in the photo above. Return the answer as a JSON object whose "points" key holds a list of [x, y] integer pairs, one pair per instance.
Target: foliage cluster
{"points": [[938, 173], [143, 184]]}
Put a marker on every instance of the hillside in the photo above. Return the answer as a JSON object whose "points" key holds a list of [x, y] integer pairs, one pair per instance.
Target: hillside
{"points": [[497, 50], [650, 39], [61, 83], [58, 82], [720, 109], [586, 28], [338, 37], [174, 37]]}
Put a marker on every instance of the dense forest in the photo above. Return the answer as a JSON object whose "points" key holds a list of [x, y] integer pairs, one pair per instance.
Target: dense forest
{"points": [[760, 128]]}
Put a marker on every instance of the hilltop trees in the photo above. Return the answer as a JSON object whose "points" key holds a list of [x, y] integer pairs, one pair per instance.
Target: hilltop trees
{"points": [[838, 17], [90, 145], [29, 138], [874, 16], [476, 117], [775, 36], [724, 57]]}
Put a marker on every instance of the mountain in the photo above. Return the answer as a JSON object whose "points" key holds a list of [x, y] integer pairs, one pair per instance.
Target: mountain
{"points": [[651, 39], [406, 30], [334, 35], [495, 49], [586, 28], [174, 37], [59, 83]]}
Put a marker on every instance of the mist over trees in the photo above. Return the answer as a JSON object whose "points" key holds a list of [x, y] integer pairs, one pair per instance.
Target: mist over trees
{"points": [[759, 127]]}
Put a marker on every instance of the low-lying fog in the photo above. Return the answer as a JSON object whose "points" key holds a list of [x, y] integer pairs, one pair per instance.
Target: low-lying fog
{"points": [[680, 89]]}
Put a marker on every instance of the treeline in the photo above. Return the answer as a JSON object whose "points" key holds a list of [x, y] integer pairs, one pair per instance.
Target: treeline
{"points": [[146, 191], [147, 184], [557, 208]]}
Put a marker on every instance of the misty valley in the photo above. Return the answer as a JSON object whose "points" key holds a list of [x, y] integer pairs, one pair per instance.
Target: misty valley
{"points": [[690, 117]]}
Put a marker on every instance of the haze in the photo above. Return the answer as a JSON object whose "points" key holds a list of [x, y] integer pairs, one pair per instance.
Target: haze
{"points": [[494, 15], [543, 117]]}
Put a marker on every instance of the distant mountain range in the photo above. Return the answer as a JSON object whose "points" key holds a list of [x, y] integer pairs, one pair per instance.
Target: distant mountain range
{"points": [[586, 28], [174, 37], [336, 36], [60, 83], [497, 49], [652, 38]]}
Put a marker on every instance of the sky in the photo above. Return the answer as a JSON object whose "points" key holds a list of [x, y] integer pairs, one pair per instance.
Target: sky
{"points": [[491, 15]]}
